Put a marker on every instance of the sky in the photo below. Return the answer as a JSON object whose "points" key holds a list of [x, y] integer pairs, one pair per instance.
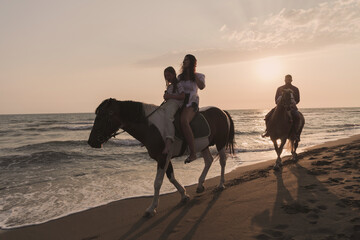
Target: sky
{"points": [[67, 56]]}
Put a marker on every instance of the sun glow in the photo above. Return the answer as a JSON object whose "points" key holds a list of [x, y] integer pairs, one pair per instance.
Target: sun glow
{"points": [[268, 68]]}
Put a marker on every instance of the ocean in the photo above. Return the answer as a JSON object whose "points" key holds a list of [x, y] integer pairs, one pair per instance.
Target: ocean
{"points": [[47, 170]]}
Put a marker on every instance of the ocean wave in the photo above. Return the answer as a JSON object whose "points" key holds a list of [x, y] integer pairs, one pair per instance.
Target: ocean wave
{"points": [[237, 132], [77, 144], [343, 127], [52, 145], [86, 127], [58, 128], [5, 131], [43, 157], [244, 150], [123, 142]]}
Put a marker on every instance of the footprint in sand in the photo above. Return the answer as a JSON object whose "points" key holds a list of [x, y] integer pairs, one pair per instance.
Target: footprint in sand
{"points": [[335, 181], [281, 226], [321, 163], [312, 200], [348, 202], [271, 234], [295, 208], [317, 172], [357, 179], [322, 207], [312, 216], [341, 154], [311, 186]]}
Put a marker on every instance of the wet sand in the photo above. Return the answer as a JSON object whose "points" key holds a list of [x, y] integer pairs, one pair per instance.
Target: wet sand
{"points": [[317, 197]]}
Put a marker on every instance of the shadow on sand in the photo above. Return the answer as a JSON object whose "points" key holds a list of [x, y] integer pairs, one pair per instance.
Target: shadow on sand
{"points": [[181, 210], [314, 211]]}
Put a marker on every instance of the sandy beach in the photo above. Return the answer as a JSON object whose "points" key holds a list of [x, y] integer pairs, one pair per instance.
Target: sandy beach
{"points": [[317, 197]]}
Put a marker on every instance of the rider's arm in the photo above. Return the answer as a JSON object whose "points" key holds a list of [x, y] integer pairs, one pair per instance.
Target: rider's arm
{"points": [[180, 96], [277, 96], [297, 95], [200, 80]]}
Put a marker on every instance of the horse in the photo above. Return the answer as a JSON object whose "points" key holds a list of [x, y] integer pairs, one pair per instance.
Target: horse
{"points": [[133, 117], [280, 126]]}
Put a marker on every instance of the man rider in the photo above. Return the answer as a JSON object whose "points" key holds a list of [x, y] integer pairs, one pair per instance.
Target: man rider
{"points": [[295, 100]]}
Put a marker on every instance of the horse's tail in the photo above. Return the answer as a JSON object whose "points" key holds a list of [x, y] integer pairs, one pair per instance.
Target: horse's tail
{"points": [[230, 143]]}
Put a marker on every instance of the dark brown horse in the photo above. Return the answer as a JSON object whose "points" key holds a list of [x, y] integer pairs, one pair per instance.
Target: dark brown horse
{"points": [[281, 126], [133, 117]]}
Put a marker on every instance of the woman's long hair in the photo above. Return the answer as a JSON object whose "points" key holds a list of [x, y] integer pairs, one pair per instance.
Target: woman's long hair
{"points": [[190, 70], [175, 82]]}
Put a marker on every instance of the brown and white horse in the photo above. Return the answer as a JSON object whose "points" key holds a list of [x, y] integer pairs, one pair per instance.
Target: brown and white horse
{"points": [[280, 126], [132, 117]]}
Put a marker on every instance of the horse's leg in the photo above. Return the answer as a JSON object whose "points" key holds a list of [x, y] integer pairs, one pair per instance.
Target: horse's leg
{"points": [[294, 146], [283, 141], [222, 164], [179, 187], [276, 167], [208, 159], [150, 211], [278, 150], [297, 138]]}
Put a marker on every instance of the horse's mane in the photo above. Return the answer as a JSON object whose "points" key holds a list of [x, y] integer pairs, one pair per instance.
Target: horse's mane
{"points": [[132, 111], [129, 110]]}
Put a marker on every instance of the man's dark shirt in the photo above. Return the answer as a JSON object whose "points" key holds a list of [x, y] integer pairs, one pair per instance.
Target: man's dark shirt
{"points": [[288, 86]]}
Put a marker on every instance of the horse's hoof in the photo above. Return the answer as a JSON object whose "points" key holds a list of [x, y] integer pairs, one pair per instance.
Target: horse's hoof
{"points": [[189, 159], [200, 189], [149, 214], [277, 167], [221, 187], [185, 199]]}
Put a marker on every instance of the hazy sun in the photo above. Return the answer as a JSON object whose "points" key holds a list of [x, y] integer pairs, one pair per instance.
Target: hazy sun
{"points": [[268, 68]]}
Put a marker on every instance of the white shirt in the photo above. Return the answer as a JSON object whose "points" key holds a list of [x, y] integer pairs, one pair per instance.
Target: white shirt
{"points": [[178, 91], [190, 87]]}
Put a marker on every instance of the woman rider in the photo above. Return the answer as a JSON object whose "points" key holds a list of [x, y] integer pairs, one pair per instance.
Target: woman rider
{"points": [[190, 81]]}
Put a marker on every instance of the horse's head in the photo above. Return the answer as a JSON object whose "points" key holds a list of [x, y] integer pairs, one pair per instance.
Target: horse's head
{"points": [[106, 123], [286, 99]]}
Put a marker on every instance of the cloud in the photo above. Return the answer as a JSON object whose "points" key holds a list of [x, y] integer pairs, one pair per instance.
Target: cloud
{"points": [[286, 32], [327, 24]]}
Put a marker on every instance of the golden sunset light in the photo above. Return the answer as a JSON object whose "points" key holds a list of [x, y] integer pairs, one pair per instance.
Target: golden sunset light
{"points": [[179, 120], [269, 69], [90, 50]]}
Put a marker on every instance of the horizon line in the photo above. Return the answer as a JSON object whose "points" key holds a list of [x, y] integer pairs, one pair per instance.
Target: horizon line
{"points": [[49, 113]]}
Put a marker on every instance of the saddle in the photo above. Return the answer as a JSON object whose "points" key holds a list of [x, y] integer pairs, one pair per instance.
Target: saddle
{"points": [[199, 127]]}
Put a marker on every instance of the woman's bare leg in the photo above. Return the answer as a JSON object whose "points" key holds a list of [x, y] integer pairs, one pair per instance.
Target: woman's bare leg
{"points": [[187, 115]]}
